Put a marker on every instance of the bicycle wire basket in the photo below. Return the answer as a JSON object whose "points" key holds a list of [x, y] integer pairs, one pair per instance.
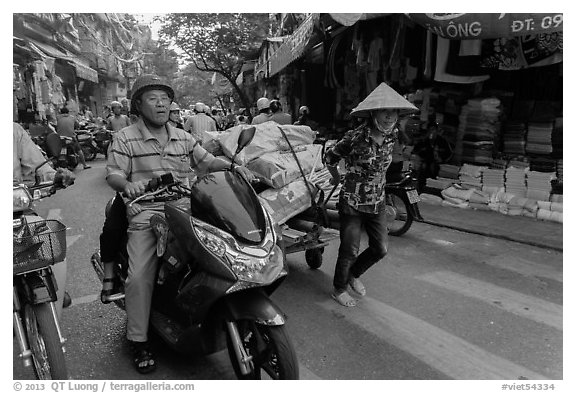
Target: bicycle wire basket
{"points": [[37, 245]]}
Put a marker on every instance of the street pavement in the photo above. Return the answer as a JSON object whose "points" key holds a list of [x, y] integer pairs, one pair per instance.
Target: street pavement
{"points": [[446, 303], [521, 229]]}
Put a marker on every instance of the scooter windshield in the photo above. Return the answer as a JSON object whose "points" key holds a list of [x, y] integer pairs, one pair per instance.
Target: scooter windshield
{"points": [[227, 202]]}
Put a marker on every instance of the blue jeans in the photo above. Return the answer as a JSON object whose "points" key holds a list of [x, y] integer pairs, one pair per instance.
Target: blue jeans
{"points": [[349, 263]]}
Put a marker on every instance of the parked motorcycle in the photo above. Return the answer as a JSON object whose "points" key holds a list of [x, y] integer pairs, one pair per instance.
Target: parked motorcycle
{"points": [[37, 245], [103, 139], [221, 256], [67, 158], [87, 144], [402, 205]]}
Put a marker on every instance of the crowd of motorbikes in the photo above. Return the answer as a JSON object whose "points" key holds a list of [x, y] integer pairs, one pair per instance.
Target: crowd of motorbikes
{"points": [[221, 257], [93, 140]]}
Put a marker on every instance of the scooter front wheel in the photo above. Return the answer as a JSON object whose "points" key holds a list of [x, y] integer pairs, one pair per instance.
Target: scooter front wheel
{"points": [[270, 352], [400, 219], [42, 333], [89, 153]]}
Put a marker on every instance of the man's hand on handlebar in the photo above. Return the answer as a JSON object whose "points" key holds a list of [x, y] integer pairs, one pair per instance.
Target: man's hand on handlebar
{"points": [[64, 178], [245, 173], [133, 190]]}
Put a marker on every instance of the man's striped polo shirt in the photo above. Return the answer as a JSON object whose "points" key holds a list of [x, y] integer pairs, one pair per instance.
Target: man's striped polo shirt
{"points": [[137, 155]]}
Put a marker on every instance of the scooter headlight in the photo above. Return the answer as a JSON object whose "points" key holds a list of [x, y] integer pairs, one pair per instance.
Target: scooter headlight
{"points": [[258, 270], [21, 199], [212, 242]]}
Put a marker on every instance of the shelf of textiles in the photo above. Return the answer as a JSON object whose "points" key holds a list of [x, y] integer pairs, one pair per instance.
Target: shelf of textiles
{"points": [[513, 187], [533, 138], [478, 131]]}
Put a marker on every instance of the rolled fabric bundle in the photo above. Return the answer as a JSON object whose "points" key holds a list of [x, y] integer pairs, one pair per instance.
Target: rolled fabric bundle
{"points": [[544, 205], [479, 197], [528, 213], [517, 202], [531, 205], [455, 201], [462, 205], [557, 207], [544, 214], [430, 199], [453, 192], [557, 217], [479, 206]]}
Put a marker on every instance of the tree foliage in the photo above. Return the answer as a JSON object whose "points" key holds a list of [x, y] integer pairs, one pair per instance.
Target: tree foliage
{"points": [[217, 42]]}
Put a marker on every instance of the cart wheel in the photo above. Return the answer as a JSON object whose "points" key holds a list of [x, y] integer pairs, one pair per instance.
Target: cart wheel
{"points": [[314, 257]]}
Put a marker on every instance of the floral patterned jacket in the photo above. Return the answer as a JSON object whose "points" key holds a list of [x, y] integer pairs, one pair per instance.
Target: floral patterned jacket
{"points": [[366, 163]]}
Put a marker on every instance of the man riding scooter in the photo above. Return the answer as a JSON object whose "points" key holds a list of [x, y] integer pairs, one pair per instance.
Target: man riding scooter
{"points": [[27, 163], [145, 150]]}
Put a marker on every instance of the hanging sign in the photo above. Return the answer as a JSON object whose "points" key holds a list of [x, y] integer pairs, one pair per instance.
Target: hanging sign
{"points": [[462, 26]]}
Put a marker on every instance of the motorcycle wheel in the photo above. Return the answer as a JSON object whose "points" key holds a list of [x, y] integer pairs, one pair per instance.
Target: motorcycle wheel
{"points": [[314, 257], [42, 333], [271, 350], [402, 218], [89, 153]]}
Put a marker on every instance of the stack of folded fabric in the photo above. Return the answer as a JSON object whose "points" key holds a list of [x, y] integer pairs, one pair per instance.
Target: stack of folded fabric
{"points": [[492, 180], [479, 128], [471, 176], [499, 163], [518, 206], [515, 181], [456, 196], [440, 183], [550, 211], [557, 138], [556, 198], [539, 138], [514, 135], [449, 171], [543, 164], [539, 185], [560, 170]]}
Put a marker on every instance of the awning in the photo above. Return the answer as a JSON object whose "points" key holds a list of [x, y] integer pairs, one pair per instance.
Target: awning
{"points": [[83, 71], [483, 26], [350, 19], [268, 47], [294, 46]]}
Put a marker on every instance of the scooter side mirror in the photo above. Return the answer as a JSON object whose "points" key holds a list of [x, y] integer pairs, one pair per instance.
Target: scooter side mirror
{"points": [[53, 145], [245, 137]]}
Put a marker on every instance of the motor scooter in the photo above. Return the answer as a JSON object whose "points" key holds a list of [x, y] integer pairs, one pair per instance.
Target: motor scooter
{"points": [[87, 144], [402, 204], [221, 256], [103, 139], [37, 245]]}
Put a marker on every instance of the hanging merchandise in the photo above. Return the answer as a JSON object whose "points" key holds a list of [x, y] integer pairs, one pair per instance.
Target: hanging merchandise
{"points": [[441, 74], [521, 52], [58, 98]]}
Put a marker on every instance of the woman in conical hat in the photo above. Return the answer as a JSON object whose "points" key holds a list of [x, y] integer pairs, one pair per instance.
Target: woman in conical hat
{"points": [[367, 153]]}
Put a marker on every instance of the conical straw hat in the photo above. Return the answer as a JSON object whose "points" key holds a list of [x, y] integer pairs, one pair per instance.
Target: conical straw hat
{"points": [[383, 97]]}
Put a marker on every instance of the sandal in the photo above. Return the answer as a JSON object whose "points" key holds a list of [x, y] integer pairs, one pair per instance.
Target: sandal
{"points": [[110, 295], [344, 299], [357, 286], [142, 357]]}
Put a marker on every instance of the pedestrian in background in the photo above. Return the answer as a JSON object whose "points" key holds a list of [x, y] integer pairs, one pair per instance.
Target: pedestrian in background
{"points": [[118, 120], [263, 106], [200, 122], [174, 116], [367, 153], [304, 118], [277, 115], [66, 125]]}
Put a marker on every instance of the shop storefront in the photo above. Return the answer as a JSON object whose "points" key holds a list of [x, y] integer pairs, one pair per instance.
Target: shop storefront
{"points": [[493, 83]]}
